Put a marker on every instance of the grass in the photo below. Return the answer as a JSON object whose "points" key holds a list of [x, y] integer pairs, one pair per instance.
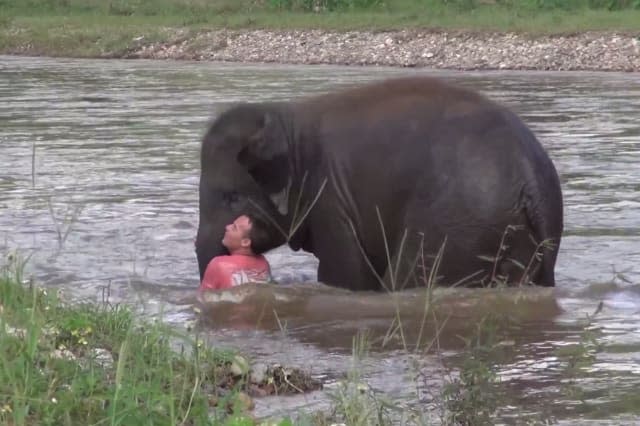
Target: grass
{"points": [[67, 364], [471, 397], [90, 28], [63, 364], [354, 402]]}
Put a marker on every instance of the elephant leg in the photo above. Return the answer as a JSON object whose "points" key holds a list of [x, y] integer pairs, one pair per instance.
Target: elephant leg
{"points": [[422, 260], [342, 260], [410, 264], [520, 263]]}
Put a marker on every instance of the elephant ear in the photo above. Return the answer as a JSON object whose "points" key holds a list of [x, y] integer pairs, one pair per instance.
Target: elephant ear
{"points": [[266, 158]]}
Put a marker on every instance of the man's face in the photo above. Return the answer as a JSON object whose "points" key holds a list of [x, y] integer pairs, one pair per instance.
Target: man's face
{"points": [[236, 234]]}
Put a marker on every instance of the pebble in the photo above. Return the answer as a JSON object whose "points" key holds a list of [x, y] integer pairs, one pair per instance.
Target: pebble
{"points": [[258, 373], [239, 366], [421, 48]]}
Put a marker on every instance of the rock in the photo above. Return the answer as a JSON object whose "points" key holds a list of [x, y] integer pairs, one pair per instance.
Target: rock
{"points": [[63, 354], [454, 49], [239, 366], [102, 357], [259, 373], [245, 401], [20, 333]]}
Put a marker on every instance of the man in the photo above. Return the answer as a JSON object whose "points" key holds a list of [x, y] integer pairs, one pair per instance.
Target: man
{"points": [[244, 238]]}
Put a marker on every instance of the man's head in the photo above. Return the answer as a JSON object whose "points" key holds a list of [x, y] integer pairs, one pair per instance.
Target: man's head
{"points": [[246, 235]]}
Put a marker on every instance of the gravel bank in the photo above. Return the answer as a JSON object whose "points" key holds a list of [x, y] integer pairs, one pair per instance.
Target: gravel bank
{"points": [[412, 48]]}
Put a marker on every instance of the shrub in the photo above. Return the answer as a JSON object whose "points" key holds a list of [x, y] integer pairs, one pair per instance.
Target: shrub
{"points": [[323, 5]]}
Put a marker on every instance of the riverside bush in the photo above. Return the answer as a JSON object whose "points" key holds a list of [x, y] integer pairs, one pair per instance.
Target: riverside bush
{"points": [[216, 7], [323, 5], [68, 364], [614, 4], [547, 5]]}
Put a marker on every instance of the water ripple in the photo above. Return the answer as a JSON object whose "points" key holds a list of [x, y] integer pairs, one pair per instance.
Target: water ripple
{"points": [[110, 196]]}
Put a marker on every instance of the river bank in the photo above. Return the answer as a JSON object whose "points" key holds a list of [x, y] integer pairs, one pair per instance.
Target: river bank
{"points": [[444, 34], [65, 362], [593, 51], [451, 49]]}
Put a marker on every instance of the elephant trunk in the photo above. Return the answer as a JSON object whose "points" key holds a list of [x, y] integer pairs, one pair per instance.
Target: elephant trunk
{"points": [[208, 245]]}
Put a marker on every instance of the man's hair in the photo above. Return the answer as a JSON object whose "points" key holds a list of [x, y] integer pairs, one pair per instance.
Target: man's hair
{"points": [[258, 234]]}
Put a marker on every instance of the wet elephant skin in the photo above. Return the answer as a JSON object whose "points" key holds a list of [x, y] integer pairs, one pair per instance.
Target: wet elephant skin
{"points": [[394, 184]]}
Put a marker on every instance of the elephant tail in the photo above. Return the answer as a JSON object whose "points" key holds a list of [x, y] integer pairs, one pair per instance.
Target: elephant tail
{"points": [[543, 206]]}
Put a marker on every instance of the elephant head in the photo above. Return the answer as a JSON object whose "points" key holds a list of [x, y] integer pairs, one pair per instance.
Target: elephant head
{"points": [[245, 167]]}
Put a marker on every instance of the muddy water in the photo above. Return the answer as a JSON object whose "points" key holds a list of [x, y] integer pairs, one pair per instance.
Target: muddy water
{"points": [[98, 183]]}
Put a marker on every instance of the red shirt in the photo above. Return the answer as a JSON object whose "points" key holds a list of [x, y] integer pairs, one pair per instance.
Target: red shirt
{"points": [[229, 271]]}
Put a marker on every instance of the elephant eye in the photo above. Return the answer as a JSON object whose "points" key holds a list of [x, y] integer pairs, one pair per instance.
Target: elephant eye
{"points": [[232, 199]]}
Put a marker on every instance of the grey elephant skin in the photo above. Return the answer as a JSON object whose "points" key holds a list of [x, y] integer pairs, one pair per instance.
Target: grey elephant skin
{"points": [[393, 184]]}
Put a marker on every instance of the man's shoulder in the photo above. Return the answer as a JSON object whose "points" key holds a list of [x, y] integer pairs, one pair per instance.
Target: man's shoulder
{"points": [[221, 258], [238, 261], [260, 260], [218, 261], [235, 269], [248, 261]]}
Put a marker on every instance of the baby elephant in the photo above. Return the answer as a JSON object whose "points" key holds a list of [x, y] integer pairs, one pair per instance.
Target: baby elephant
{"points": [[391, 185]]}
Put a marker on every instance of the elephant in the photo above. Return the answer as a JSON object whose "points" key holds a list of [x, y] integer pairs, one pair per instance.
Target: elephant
{"points": [[392, 184]]}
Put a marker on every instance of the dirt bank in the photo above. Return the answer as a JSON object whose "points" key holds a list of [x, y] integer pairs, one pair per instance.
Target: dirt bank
{"points": [[412, 48]]}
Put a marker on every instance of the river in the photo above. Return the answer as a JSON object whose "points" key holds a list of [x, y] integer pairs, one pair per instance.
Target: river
{"points": [[98, 185]]}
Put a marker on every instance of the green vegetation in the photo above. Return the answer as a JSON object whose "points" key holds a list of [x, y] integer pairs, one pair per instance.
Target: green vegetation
{"points": [[68, 364], [211, 8], [115, 27], [64, 364], [471, 398]]}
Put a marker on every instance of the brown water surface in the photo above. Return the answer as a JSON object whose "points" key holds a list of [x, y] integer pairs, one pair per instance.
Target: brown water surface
{"points": [[99, 184]]}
